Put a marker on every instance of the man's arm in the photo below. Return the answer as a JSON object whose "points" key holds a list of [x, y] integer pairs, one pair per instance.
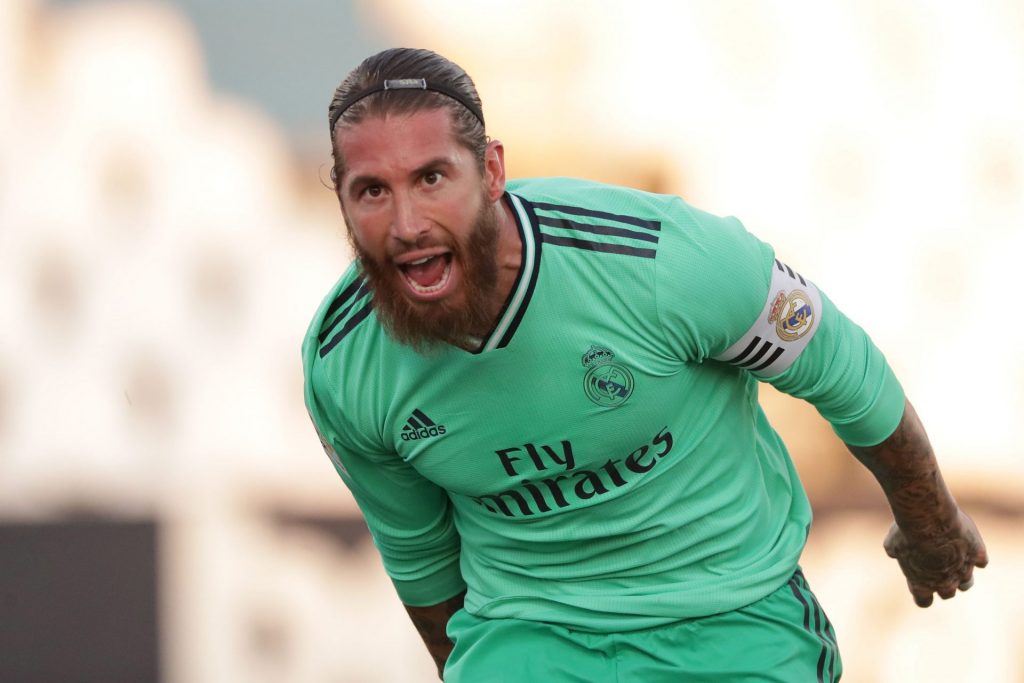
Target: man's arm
{"points": [[431, 621], [936, 544], [409, 517]]}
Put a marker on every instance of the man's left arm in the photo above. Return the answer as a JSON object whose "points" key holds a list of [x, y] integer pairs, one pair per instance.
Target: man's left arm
{"points": [[843, 374], [936, 544], [736, 303]]}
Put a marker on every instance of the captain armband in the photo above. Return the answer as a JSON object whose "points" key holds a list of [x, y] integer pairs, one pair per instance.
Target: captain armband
{"points": [[780, 333]]}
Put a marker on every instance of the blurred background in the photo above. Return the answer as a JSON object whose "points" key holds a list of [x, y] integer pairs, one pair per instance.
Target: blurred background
{"points": [[166, 512]]}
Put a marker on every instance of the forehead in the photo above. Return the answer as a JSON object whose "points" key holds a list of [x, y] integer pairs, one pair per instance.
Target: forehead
{"points": [[397, 142]]}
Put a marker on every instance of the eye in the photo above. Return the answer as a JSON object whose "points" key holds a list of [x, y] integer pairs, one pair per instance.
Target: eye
{"points": [[431, 178], [373, 191]]}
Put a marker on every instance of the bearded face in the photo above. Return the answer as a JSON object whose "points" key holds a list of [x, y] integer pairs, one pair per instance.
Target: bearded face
{"points": [[425, 220], [453, 320]]}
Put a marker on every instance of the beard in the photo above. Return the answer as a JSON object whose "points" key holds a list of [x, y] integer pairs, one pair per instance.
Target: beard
{"points": [[425, 326]]}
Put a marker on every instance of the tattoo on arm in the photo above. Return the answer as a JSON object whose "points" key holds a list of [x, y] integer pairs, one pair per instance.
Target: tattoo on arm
{"points": [[431, 622], [905, 467]]}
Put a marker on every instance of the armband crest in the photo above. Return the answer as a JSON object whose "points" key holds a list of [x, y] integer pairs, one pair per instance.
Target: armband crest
{"points": [[784, 327]]}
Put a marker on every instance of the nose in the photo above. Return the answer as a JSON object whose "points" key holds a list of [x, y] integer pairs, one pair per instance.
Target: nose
{"points": [[407, 224]]}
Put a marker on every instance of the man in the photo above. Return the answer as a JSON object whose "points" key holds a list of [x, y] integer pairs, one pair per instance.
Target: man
{"points": [[542, 395]]}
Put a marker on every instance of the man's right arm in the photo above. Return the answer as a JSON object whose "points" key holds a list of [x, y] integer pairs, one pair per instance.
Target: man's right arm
{"points": [[432, 621], [411, 523], [409, 518]]}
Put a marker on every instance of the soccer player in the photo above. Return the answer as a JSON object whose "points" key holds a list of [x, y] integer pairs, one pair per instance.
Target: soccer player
{"points": [[542, 395]]}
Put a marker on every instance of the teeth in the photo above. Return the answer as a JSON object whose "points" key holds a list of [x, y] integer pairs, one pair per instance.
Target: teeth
{"points": [[432, 288], [420, 261]]}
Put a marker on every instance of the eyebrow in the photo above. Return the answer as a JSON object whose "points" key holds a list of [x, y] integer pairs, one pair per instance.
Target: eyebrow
{"points": [[361, 181], [436, 162]]}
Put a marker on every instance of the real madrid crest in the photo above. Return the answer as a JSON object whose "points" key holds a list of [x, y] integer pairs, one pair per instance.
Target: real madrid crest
{"points": [[793, 315], [606, 383]]}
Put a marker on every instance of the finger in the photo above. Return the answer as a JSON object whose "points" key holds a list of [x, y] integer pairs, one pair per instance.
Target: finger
{"points": [[922, 596], [967, 579], [980, 558], [946, 592], [923, 601]]}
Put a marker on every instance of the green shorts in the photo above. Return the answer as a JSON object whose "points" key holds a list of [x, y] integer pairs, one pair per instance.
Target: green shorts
{"points": [[784, 637]]}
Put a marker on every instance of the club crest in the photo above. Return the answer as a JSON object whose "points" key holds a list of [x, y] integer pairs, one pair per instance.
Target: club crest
{"points": [[606, 383], [793, 315]]}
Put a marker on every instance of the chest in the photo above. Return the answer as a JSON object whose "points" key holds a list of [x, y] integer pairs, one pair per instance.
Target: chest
{"points": [[577, 403]]}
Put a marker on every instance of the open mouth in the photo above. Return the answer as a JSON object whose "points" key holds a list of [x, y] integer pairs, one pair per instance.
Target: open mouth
{"points": [[429, 274]]}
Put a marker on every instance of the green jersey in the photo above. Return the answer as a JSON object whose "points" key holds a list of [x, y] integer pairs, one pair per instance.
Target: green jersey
{"points": [[601, 462]]}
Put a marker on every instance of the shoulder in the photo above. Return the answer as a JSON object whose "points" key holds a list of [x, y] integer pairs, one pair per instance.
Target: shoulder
{"points": [[705, 275], [596, 217], [343, 334], [346, 306], [578, 193], [591, 201], [342, 337], [624, 220]]}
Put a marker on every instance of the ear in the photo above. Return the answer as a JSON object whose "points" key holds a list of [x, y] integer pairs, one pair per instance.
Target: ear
{"points": [[494, 169]]}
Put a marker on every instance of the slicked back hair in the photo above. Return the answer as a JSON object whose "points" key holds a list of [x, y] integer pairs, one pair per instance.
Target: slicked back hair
{"points": [[407, 63]]}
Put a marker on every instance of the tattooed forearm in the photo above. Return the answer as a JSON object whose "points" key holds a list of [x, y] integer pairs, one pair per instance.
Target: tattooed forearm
{"points": [[908, 473], [431, 622], [936, 544]]}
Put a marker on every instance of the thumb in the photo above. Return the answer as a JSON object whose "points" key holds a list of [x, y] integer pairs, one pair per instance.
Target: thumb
{"points": [[891, 542], [980, 558]]}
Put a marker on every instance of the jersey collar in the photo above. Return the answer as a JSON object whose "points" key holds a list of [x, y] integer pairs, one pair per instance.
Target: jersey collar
{"points": [[522, 290]]}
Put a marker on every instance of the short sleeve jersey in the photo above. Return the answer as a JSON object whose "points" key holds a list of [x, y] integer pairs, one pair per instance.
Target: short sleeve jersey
{"points": [[601, 462]]}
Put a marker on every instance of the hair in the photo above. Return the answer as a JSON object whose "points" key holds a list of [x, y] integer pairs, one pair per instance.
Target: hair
{"points": [[401, 63]]}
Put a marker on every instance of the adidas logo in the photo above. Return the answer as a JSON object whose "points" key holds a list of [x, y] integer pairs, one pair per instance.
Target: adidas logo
{"points": [[419, 426]]}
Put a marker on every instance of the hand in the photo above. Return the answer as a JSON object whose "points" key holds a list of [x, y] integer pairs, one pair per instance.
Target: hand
{"points": [[938, 564]]}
